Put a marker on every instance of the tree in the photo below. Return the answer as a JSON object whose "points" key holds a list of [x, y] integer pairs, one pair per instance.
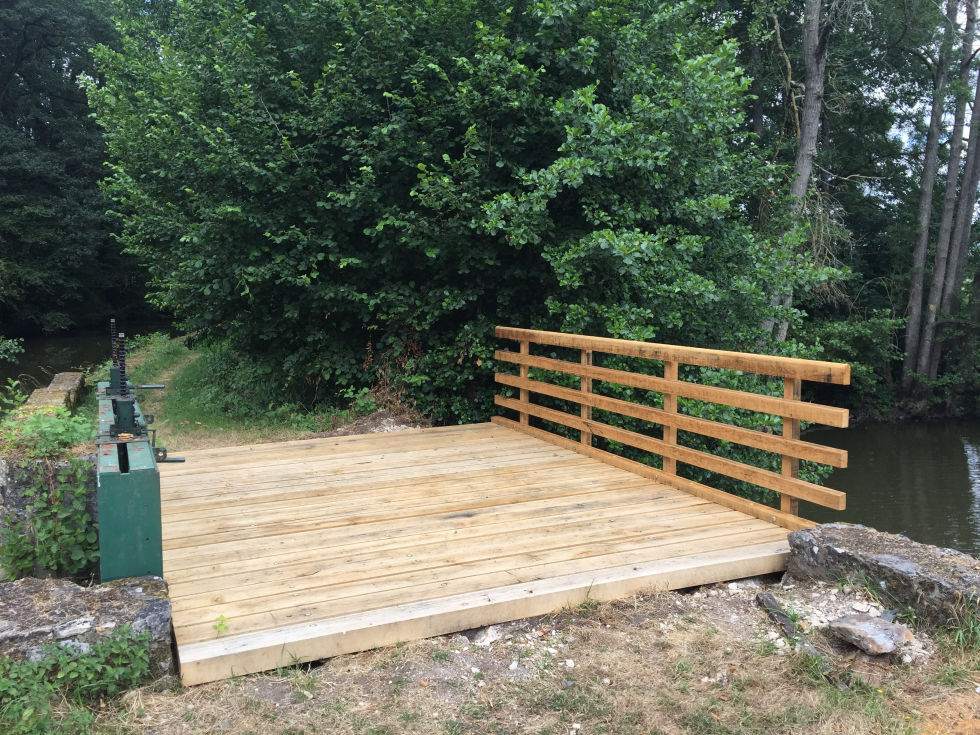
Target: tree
{"points": [[331, 186], [939, 65], [58, 263]]}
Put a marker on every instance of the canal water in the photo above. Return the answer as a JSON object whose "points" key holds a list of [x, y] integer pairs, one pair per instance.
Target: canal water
{"points": [[918, 479], [46, 355]]}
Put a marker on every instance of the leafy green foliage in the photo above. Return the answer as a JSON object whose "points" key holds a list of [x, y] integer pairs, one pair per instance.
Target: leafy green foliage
{"points": [[10, 348], [44, 435], [58, 263], [353, 195], [58, 534], [31, 692], [11, 396]]}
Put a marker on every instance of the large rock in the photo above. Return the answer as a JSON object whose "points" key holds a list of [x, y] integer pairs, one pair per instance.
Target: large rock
{"points": [[940, 584], [37, 612], [872, 635]]}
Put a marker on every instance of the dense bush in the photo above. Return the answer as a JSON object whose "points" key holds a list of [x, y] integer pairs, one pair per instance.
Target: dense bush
{"points": [[352, 193]]}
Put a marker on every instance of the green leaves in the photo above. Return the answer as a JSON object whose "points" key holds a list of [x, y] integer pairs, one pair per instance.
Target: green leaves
{"points": [[354, 195], [57, 534]]}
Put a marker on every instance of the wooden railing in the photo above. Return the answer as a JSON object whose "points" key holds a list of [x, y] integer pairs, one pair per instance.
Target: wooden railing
{"points": [[790, 408]]}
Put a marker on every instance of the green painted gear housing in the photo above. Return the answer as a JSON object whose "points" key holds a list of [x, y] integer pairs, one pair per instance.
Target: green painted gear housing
{"points": [[130, 536]]}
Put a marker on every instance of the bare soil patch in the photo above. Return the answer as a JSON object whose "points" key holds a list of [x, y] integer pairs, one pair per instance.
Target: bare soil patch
{"points": [[701, 661]]}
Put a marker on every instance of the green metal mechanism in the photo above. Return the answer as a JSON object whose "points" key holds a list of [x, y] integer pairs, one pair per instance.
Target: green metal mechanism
{"points": [[130, 541], [130, 538]]}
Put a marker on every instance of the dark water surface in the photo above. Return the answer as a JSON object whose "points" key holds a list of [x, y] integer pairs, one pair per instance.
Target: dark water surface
{"points": [[44, 356], [918, 479]]}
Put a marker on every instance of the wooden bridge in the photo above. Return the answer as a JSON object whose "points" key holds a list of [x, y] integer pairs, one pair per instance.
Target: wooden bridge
{"points": [[284, 553]]}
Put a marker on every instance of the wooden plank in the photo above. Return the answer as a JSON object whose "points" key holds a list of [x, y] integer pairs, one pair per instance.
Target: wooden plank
{"points": [[716, 430], [763, 478], [326, 510], [757, 510], [427, 584], [790, 466], [816, 413], [525, 350], [788, 367], [259, 485], [278, 549], [585, 389], [310, 641], [234, 480], [214, 575], [341, 462], [356, 497], [327, 450], [670, 408], [353, 571]]}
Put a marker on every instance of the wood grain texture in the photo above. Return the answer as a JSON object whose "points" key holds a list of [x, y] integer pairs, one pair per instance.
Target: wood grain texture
{"points": [[788, 367], [311, 549]]}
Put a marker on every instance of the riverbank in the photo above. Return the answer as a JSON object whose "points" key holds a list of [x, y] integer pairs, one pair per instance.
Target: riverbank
{"points": [[707, 661]]}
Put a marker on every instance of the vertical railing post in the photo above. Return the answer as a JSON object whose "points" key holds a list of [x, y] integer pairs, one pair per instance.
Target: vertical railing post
{"points": [[586, 387], [670, 406], [791, 430], [525, 374]]}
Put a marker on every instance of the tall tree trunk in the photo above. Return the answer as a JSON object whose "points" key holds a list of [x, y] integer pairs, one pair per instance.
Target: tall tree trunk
{"points": [[939, 278], [815, 36], [755, 89], [962, 237], [929, 166]]}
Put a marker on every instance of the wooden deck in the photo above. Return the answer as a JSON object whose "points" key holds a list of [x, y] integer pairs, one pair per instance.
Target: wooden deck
{"points": [[283, 553]]}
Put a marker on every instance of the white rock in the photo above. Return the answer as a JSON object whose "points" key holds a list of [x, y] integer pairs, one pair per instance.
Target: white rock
{"points": [[513, 665], [486, 636], [474, 670], [606, 681], [569, 663]]}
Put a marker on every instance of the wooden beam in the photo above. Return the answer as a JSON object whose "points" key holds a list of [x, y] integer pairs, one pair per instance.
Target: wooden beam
{"points": [[746, 473], [670, 407], [716, 430], [827, 415], [757, 510], [788, 367], [586, 389], [318, 639], [791, 430]]}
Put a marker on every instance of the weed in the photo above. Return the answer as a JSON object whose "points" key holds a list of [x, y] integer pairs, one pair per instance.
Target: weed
{"points": [[57, 533], [220, 624], [440, 655], [11, 396], [963, 629], [28, 689], [45, 435]]}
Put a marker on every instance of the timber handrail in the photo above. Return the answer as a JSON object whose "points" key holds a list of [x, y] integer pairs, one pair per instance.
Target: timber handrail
{"points": [[789, 407]]}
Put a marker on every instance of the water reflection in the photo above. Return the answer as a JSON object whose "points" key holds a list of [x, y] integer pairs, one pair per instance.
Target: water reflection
{"points": [[919, 479]]}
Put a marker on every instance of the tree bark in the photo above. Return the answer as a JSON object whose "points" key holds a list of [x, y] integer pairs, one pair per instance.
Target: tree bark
{"points": [[815, 36], [929, 166], [962, 237], [939, 277]]}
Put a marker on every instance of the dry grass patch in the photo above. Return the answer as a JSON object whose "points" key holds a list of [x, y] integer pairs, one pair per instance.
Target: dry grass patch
{"points": [[665, 663]]}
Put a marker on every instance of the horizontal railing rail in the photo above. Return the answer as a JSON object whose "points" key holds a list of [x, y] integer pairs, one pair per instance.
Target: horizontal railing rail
{"points": [[789, 408]]}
